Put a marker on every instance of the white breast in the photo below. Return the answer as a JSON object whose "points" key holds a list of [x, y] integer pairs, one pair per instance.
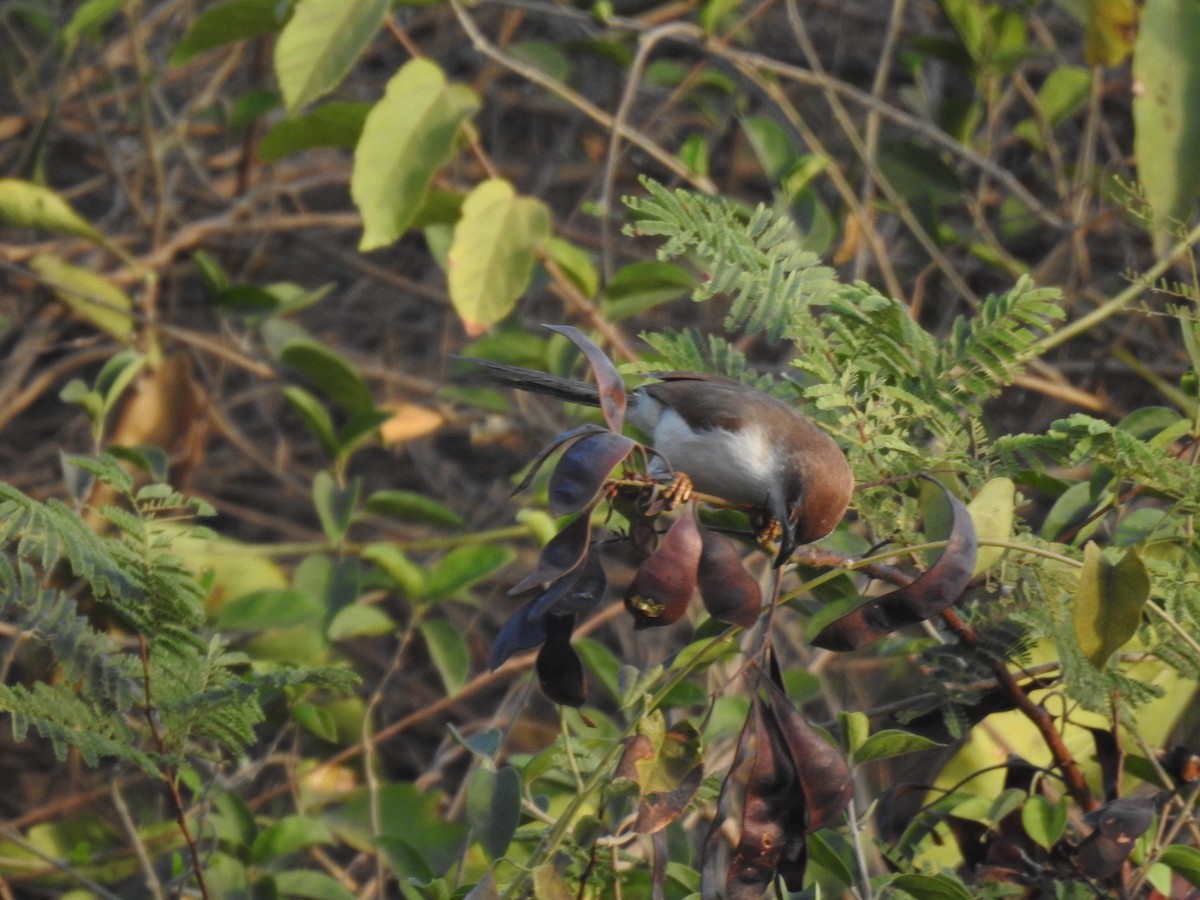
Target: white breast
{"points": [[738, 467]]}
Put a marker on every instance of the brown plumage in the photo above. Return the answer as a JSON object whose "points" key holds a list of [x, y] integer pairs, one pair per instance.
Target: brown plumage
{"points": [[732, 441]]}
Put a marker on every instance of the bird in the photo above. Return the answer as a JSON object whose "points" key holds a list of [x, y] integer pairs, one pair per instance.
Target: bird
{"points": [[734, 442]]}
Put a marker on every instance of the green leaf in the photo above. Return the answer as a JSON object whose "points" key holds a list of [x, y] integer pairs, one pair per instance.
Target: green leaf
{"points": [[640, 286], [1183, 860], [269, 609], [335, 504], [315, 417], [402, 571], [856, 728], [116, 376], [448, 650], [320, 43], [309, 884], [234, 20], [336, 124], [576, 264], [891, 742], [407, 137], [463, 566], [549, 884], [407, 814], [232, 820], [24, 204], [76, 391], [287, 835], [1062, 94], [494, 807], [1108, 602], [316, 719], [823, 854], [1109, 24], [992, 514], [90, 17], [362, 427], [329, 373], [931, 887], [1166, 111], [360, 620], [1044, 821], [492, 256], [602, 664], [411, 506], [90, 296], [772, 145]]}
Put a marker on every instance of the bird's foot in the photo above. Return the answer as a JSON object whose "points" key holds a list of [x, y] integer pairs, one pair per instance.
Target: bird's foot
{"points": [[770, 532], [679, 491]]}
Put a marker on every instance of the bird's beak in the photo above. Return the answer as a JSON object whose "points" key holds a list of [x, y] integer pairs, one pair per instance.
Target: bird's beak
{"points": [[787, 542]]}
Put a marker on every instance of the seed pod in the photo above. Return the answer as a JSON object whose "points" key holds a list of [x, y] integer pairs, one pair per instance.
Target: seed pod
{"points": [[730, 593], [665, 582], [559, 669]]}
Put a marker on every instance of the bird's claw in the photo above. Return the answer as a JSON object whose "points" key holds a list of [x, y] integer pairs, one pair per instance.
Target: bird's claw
{"points": [[770, 532], [679, 491]]}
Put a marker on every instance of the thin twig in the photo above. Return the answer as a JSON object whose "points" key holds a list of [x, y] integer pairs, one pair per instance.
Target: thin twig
{"points": [[170, 778]]}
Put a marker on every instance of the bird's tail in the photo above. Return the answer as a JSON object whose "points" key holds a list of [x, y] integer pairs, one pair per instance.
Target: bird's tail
{"points": [[538, 382]]}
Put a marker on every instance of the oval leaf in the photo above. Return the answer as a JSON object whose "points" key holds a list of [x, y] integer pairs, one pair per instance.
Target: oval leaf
{"points": [[335, 124], [268, 609], [360, 620], [1108, 602], [320, 43], [1166, 116], [407, 137], [90, 296], [494, 807], [413, 507], [1184, 861], [463, 566], [891, 742], [448, 650], [234, 20], [491, 257], [287, 835], [24, 204], [328, 372], [335, 504], [992, 515], [1044, 821]]}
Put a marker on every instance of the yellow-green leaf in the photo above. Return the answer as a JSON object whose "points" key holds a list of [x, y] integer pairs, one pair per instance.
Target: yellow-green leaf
{"points": [[491, 259], [233, 20], [1108, 602], [1109, 31], [1166, 111], [90, 296], [407, 137], [24, 204], [992, 513], [320, 43]]}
